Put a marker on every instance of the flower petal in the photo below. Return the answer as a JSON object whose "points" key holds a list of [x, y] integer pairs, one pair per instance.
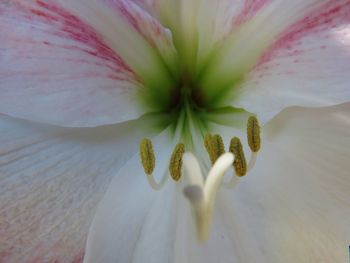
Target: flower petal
{"points": [[294, 205], [286, 49], [51, 180], [230, 25], [307, 66], [181, 18], [218, 19], [146, 25], [134, 222], [72, 63]]}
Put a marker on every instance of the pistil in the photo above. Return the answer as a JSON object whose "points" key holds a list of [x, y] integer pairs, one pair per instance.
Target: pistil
{"points": [[201, 191], [202, 196]]}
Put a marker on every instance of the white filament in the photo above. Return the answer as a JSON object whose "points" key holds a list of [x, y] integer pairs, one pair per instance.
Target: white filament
{"points": [[202, 196], [153, 183], [252, 161], [235, 178]]}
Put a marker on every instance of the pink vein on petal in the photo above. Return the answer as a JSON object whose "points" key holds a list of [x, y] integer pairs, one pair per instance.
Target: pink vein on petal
{"points": [[78, 259], [146, 25], [250, 8], [328, 16], [86, 39]]}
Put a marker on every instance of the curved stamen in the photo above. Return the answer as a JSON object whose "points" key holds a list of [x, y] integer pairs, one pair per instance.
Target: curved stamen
{"points": [[202, 198], [235, 177], [153, 183], [201, 192], [148, 161], [215, 177], [254, 142]]}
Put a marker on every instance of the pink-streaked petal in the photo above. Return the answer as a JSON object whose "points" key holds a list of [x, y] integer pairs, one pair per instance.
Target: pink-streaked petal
{"points": [[152, 6], [51, 180], [217, 19], [307, 66], [128, 30], [149, 27], [245, 47], [63, 65]]}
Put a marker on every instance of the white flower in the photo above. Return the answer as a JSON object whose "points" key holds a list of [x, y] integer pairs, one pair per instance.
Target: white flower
{"points": [[83, 82]]}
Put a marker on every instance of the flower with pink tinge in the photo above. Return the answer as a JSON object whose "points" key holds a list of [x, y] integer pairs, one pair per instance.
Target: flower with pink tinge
{"points": [[82, 82]]}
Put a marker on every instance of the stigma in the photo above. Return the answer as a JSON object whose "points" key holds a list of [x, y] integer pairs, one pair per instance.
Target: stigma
{"points": [[201, 190]]}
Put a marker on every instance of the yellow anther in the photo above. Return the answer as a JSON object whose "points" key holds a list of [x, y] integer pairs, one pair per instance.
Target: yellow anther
{"points": [[148, 159], [214, 146], [239, 162], [253, 134], [207, 144], [175, 164]]}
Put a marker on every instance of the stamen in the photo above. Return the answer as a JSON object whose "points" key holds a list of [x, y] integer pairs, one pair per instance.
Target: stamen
{"points": [[154, 184], [214, 146], [215, 176], [239, 163], [202, 198], [253, 134], [176, 161], [148, 159], [201, 192], [252, 161]]}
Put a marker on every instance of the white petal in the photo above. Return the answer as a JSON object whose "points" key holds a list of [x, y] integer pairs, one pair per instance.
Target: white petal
{"points": [[133, 222], [74, 64], [150, 28], [307, 66], [128, 30], [294, 205], [225, 242], [181, 18], [217, 19], [288, 53], [51, 180], [248, 38]]}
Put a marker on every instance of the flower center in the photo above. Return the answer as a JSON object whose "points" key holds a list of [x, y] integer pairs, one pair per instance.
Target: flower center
{"points": [[201, 191], [182, 91], [187, 93]]}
